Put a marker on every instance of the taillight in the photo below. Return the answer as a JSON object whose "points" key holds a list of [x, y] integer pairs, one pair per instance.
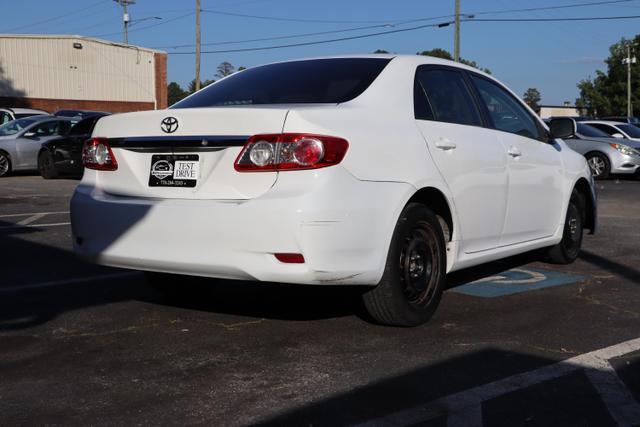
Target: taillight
{"points": [[97, 154], [290, 151]]}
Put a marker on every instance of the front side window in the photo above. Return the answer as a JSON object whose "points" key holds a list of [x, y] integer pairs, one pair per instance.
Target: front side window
{"points": [[630, 130], [319, 81], [447, 97], [507, 114]]}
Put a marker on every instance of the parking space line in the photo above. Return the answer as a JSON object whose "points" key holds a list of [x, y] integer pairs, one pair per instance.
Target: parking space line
{"points": [[54, 224], [64, 282], [31, 219], [465, 406], [33, 213]]}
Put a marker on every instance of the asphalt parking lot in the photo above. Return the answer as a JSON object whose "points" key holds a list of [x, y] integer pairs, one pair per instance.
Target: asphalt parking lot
{"points": [[527, 343]]}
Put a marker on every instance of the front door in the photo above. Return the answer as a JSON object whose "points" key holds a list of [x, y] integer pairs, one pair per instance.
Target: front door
{"points": [[535, 167], [470, 158]]}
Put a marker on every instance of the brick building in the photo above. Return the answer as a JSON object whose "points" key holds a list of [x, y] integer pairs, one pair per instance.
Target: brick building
{"points": [[51, 72]]}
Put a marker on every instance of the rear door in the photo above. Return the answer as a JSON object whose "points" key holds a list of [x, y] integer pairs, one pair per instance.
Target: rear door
{"points": [[469, 156], [535, 200]]}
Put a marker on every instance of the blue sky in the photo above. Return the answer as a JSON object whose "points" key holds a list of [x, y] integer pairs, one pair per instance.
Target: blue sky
{"points": [[552, 57]]}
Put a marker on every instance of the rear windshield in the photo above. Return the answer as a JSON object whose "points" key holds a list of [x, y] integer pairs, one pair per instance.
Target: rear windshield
{"points": [[590, 131], [316, 81]]}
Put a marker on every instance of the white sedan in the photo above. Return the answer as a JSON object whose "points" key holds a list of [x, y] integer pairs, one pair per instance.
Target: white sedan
{"points": [[379, 170]]}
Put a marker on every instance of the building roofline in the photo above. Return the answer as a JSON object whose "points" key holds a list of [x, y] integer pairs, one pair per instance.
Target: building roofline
{"points": [[557, 106], [78, 37]]}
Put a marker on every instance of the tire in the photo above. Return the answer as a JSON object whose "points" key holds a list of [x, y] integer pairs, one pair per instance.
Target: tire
{"points": [[414, 276], [599, 165], [46, 165], [5, 164], [568, 249]]}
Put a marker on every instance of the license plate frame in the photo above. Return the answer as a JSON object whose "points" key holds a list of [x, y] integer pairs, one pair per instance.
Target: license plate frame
{"points": [[174, 170]]}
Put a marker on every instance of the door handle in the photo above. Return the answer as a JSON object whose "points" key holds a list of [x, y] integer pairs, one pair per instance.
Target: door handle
{"points": [[445, 144], [514, 152]]}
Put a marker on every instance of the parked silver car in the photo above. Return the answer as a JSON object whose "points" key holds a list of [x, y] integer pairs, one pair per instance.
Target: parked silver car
{"points": [[9, 114], [21, 140], [605, 154], [618, 130]]}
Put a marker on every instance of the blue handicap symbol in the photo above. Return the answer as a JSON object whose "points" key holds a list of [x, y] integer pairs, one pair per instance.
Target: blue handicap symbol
{"points": [[515, 281]]}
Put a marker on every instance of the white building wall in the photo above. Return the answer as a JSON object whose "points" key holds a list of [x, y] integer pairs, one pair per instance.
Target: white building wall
{"points": [[50, 67]]}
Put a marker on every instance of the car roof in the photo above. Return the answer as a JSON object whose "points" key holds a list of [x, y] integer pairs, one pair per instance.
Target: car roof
{"points": [[24, 110], [605, 122], [409, 60]]}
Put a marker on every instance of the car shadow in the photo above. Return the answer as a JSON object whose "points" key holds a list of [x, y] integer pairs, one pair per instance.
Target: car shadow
{"points": [[26, 262], [411, 398]]}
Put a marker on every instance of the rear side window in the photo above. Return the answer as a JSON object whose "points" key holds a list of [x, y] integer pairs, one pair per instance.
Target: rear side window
{"points": [[447, 97], [317, 81], [507, 114]]}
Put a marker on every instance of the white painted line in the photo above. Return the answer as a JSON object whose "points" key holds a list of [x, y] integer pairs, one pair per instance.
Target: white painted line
{"points": [[465, 406], [33, 213], [64, 282], [622, 406], [31, 219], [55, 224]]}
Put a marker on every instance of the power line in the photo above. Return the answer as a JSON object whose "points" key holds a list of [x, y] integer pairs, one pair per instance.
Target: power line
{"points": [[291, 36], [275, 18], [148, 26], [442, 24], [312, 43], [55, 18], [385, 24], [407, 20], [569, 6], [594, 18]]}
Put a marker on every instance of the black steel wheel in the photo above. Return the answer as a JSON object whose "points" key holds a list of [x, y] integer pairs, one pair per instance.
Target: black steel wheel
{"points": [[414, 276], [46, 165], [568, 249]]}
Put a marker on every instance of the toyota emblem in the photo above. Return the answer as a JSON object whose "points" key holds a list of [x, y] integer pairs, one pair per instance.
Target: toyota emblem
{"points": [[169, 125]]}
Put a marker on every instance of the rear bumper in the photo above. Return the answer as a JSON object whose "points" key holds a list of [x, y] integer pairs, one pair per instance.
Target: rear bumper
{"points": [[340, 224]]}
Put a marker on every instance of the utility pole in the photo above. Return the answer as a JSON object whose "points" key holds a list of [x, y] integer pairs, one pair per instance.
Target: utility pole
{"points": [[197, 45], [629, 60], [456, 40], [125, 17]]}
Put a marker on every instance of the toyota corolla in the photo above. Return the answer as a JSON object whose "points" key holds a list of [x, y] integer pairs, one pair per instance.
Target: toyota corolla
{"points": [[383, 171]]}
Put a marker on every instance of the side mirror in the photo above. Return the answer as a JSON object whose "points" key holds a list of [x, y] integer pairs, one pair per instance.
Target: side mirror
{"points": [[29, 134], [562, 127], [617, 135]]}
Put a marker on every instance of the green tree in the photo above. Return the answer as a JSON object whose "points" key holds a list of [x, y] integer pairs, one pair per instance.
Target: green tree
{"points": [[445, 54], [532, 97], [381, 51], [175, 93], [606, 94], [203, 84], [225, 69]]}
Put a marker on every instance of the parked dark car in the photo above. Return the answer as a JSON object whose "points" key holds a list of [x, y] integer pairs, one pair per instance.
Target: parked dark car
{"points": [[622, 119], [63, 155], [77, 115]]}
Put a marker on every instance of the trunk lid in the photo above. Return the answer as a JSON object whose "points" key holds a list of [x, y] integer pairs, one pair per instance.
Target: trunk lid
{"points": [[207, 140]]}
